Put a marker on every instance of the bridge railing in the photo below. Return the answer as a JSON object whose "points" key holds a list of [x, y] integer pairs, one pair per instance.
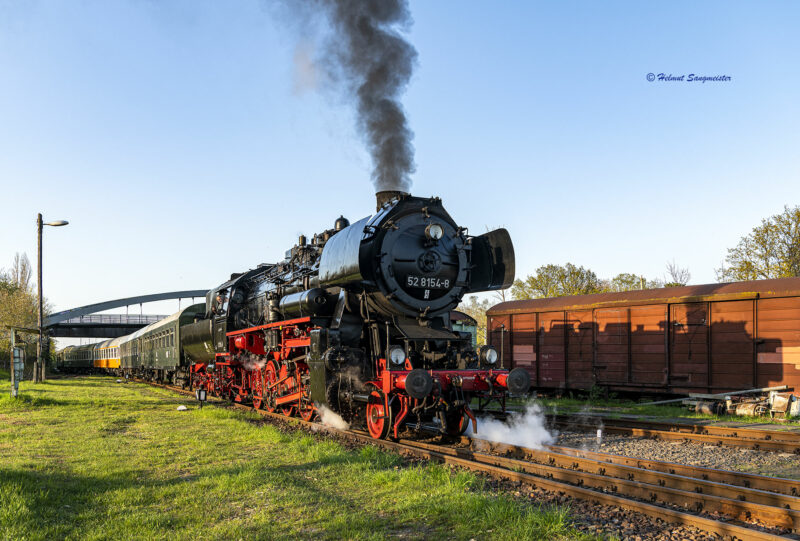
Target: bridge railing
{"points": [[113, 319]]}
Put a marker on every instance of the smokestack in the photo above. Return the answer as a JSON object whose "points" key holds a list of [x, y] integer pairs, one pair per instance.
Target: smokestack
{"points": [[385, 196]]}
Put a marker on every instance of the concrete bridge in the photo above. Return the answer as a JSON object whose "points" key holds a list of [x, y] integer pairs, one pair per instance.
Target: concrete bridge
{"points": [[84, 322]]}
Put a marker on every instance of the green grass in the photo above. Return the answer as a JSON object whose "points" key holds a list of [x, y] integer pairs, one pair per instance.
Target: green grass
{"points": [[86, 458]]}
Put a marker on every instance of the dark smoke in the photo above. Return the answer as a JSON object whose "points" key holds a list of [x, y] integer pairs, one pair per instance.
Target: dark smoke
{"points": [[367, 52]]}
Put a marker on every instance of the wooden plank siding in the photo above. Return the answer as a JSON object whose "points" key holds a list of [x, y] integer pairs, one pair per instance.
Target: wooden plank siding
{"points": [[721, 344]]}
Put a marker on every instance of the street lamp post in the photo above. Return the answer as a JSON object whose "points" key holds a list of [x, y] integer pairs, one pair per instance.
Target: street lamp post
{"points": [[39, 371]]}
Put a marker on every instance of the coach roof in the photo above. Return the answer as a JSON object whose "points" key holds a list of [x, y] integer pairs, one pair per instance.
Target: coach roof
{"points": [[779, 287]]}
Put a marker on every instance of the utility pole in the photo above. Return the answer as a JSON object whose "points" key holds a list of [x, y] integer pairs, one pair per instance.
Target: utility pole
{"points": [[39, 369]]}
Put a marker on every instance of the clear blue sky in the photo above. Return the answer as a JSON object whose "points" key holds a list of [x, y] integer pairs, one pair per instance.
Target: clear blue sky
{"points": [[173, 138]]}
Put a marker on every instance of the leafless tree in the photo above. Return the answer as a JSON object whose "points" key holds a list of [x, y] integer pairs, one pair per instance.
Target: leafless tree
{"points": [[21, 272], [676, 275]]}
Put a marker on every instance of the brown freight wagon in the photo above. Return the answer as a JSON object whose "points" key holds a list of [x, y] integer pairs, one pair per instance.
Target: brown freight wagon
{"points": [[706, 338]]}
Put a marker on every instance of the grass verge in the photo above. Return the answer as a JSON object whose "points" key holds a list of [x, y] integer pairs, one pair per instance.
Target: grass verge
{"points": [[86, 458]]}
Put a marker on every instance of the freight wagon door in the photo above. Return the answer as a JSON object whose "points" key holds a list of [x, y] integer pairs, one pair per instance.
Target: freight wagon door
{"points": [[611, 345], [688, 370], [580, 333]]}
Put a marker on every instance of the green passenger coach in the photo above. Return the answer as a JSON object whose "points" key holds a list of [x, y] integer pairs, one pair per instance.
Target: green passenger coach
{"points": [[155, 349]]}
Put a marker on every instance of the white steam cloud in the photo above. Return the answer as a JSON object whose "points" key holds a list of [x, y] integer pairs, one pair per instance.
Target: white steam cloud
{"points": [[525, 429], [331, 418], [253, 362]]}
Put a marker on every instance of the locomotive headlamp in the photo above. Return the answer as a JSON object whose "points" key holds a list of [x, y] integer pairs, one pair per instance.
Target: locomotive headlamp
{"points": [[488, 355], [397, 355], [434, 231]]}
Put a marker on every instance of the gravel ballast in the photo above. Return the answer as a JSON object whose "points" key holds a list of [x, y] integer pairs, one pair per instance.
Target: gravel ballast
{"points": [[769, 463]]}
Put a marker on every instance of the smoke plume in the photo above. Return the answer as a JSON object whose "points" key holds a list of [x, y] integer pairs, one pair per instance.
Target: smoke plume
{"points": [[526, 429], [368, 56]]}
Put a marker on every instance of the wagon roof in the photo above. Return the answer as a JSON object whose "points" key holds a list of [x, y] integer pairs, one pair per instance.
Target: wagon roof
{"points": [[779, 287]]}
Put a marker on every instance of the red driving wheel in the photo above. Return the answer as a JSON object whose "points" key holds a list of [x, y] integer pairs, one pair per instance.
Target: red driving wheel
{"points": [[379, 417], [269, 394], [257, 386], [306, 405]]}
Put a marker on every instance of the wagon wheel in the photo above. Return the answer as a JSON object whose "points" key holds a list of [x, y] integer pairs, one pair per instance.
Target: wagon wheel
{"points": [[270, 377], [379, 417]]}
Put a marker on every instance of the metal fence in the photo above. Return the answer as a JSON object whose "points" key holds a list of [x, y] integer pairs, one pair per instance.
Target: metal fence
{"points": [[113, 319]]}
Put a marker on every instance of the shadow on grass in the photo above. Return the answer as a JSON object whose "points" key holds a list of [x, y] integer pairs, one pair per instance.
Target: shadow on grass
{"points": [[63, 505]]}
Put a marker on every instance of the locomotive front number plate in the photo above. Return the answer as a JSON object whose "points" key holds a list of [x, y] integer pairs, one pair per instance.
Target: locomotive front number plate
{"points": [[427, 282]]}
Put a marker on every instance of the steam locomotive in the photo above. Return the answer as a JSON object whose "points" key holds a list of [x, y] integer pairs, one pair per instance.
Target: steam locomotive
{"points": [[355, 320]]}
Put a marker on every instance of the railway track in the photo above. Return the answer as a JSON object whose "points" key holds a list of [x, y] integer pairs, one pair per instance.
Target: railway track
{"points": [[716, 501], [748, 438], [758, 439]]}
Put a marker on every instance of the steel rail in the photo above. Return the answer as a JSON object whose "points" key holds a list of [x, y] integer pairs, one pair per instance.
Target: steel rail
{"points": [[693, 485], [583, 485], [555, 485], [789, 436], [790, 487], [646, 485], [707, 439], [665, 473], [759, 439]]}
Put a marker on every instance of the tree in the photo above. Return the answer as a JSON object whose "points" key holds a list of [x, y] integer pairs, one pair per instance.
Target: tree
{"points": [[557, 281], [476, 309], [627, 282], [21, 271], [676, 276], [18, 307], [771, 250]]}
